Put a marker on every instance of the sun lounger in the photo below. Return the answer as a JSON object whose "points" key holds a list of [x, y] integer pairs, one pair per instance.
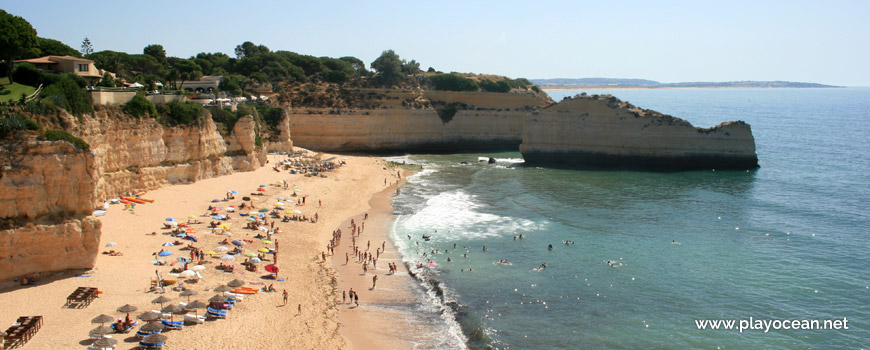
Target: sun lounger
{"points": [[173, 325], [244, 290], [163, 315], [194, 318], [142, 334], [81, 297], [215, 313], [151, 346], [22, 330], [234, 296]]}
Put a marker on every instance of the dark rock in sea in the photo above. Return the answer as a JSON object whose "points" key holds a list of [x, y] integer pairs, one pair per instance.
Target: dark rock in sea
{"points": [[491, 160]]}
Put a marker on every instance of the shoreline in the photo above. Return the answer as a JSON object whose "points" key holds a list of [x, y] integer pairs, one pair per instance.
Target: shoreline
{"points": [[260, 321], [580, 88]]}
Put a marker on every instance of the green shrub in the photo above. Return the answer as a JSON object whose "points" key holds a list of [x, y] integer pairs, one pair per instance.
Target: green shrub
{"points": [[139, 106], [40, 107], [492, 86], [180, 113], [27, 74], [453, 82], [271, 116], [258, 141], [13, 122], [225, 119], [60, 135], [69, 93]]}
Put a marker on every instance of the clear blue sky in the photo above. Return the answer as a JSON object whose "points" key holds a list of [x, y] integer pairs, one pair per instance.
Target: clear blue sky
{"points": [[668, 41]]}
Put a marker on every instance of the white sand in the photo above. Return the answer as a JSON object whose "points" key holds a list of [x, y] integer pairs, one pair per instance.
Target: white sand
{"points": [[260, 321]]}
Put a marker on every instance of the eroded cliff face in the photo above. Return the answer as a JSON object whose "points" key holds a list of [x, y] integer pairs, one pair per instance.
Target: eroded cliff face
{"points": [[418, 121], [281, 142], [134, 154], [45, 198], [603, 131]]}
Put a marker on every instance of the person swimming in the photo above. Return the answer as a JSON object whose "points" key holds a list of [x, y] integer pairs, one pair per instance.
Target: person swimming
{"points": [[550, 247]]}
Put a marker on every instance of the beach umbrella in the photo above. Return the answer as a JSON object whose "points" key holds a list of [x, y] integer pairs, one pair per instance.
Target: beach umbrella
{"points": [[255, 260], [228, 257], [211, 252], [198, 267], [218, 298], [173, 223], [288, 212], [196, 304], [154, 339], [103, 318], [272, 268], [150, 316], [173, 310], [127, 308], [216, 217], [101, 331], [181, 235], [263, 210], [250, 254], [251, 218], [188, 293], [222, 288], [161, 300], [233, 191], [261, 189], [191, 216], [266, 241], [297, 189], [111, 244], [168, 244], [261, 186], [187, 274], [165, 253], [261, 215], [263, 250], [153, 326], [103, 343], [278, 205], [231, 209], [236, 283], [222, 249], [253, 199], [237, 243], [170, 219], [183, 259], [297, 211]]}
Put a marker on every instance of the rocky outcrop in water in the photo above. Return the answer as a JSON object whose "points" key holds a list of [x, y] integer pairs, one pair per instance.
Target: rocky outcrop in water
{"points": [[602, 131]]}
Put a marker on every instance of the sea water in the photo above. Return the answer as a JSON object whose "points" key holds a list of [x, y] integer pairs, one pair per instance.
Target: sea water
{"points": [[653, 252]]}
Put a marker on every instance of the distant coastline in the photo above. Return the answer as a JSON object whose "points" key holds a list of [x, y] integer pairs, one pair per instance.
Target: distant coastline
{"points": [[622, 84]]}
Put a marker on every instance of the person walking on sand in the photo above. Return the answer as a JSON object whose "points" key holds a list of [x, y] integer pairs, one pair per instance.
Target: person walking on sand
{"points": [[285, 297], [374, 281], [344, 297], [299, 310]]}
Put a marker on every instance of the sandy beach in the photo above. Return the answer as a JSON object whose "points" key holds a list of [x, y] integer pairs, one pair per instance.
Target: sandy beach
{"points": [[261, 320]]}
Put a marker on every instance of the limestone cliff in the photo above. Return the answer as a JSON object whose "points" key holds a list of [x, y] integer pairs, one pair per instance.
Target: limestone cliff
{"points": [[398, 120], [140, 154], [281, 142], [45, 198], [604, 131]]}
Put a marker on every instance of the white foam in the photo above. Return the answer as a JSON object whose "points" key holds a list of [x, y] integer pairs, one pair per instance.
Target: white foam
{"points": [[457, 215]]}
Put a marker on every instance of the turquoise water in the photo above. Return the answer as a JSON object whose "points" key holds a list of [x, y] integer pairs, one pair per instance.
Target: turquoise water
{"points": [[787, 241]]}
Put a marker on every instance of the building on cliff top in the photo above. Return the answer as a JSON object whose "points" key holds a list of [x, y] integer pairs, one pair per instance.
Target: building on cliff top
{"points": [[82, 67]]}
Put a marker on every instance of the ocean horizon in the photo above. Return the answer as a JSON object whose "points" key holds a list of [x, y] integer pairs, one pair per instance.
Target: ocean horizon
{"points": [[634, 259]]}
